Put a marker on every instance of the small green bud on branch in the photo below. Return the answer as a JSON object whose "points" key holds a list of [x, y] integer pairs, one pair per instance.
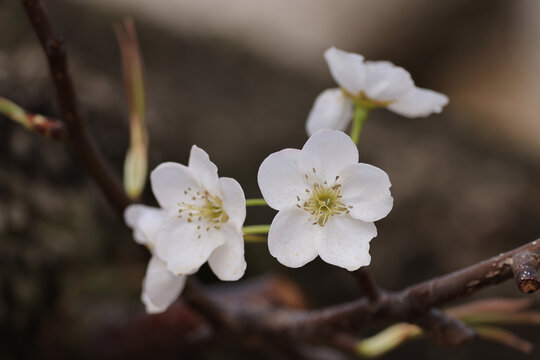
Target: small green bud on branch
{"points": [[45, 126], [136, 162]]}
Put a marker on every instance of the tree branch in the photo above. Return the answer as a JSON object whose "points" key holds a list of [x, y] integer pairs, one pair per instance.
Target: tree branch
{"points": [[409, 305], [78, 139]]}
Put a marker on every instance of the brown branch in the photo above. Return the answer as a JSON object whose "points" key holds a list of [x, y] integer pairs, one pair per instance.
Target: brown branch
{"points": [[78, 139], [410, 304]]}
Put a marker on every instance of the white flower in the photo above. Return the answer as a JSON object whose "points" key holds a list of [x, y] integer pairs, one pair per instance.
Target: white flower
{"points": [[369, 84], [200, 219], [327, 202]]}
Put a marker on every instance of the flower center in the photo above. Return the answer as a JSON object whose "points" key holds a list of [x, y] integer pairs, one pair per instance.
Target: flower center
{"points": [[323, 202], [203, 208], [363, 100]]}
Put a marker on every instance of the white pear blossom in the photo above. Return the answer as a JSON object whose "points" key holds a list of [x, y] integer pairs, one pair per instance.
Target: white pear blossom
{"points": [[369, 84], [327, 202], [200, 219]]}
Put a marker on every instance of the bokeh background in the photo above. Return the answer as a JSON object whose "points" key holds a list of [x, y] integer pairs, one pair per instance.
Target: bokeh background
{"points": [[238, 79]]}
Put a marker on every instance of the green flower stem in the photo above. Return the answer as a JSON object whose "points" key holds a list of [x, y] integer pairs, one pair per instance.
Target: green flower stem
{"points": [[360, 116], [256, 229], [254, 238], [256, 202]]}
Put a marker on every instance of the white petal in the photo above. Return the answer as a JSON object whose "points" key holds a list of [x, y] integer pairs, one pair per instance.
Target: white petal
{"points": [[331, 110], [347, 69], [292, 238], [160, 287], [385, 81], [227, 261], [204, 169], [367, 189], [280, 179], [419, 102], [186, 246], [234, 201], [333, 149], [145, 222], [170, 181], [345, 241]]}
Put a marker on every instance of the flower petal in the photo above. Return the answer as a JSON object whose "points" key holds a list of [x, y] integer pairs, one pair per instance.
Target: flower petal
{"points": [[367, 189], [385, 81], [185, 246], [171, 183], [280, 179], [345, 241], [204, 169], [331, 110], [227, 261], [145, 222], [419, 102], [160, 287], [347, 69], [292, 238], [333, 149], [234, 201]]}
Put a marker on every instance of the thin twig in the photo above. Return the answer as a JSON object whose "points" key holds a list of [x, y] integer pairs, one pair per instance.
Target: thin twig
{"points": [[82, 144], [367, 284]]}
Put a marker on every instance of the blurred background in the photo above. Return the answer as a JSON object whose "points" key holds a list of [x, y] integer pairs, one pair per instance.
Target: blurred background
{"points": [[238, 79]]}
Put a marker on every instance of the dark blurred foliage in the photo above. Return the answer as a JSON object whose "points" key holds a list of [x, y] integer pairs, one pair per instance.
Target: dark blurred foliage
{"points": [[69, 269]]}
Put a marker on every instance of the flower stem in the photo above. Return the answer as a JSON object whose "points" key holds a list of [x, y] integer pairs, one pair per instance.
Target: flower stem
{"points": [[360, 116], [256, 202], [254, 238], [256, 229]]}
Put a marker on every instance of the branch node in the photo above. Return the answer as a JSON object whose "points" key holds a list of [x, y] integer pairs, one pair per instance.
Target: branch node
{"points": [[524, 266], [445, 329], [367, 284]]}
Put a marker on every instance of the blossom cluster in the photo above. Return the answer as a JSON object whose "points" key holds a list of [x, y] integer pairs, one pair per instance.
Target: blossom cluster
{"points": [[327, 201]]}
